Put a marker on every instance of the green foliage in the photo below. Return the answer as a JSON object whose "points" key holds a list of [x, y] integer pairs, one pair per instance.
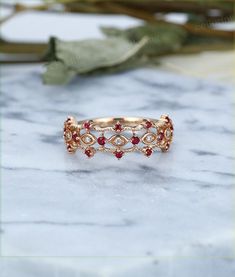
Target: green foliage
{"points": [[162, 38], [122, 50], [58, 74], [82, 57]]}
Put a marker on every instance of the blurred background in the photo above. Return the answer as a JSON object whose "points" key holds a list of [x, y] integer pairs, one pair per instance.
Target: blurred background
{"points": [[104, 36]]}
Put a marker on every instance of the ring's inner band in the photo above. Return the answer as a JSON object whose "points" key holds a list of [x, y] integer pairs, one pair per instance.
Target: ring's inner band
{"points": [[106, 122]]}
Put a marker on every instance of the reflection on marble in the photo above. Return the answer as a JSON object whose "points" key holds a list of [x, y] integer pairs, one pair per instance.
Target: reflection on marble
{"points": [[162, 215]]}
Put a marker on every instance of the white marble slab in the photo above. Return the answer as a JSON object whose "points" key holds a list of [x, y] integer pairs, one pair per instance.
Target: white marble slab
{"points": [[161, 216]]}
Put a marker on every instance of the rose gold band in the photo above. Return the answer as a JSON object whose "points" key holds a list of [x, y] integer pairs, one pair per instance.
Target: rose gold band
{"points": [[118, 135]]}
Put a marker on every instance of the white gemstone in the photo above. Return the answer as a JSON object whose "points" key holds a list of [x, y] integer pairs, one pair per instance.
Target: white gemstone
{"points": [[87, 139], [149, 138], [68, 135], [118, 141], [168, 133]]}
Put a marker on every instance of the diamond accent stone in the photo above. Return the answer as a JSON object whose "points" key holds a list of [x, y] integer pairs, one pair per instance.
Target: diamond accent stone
{"points": [[148, 138], [118, 140], [88, 139], [68, 135], [168, 133]]}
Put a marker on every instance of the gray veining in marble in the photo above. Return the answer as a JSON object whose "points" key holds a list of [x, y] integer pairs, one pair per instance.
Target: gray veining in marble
{"points": [[175, 208]]}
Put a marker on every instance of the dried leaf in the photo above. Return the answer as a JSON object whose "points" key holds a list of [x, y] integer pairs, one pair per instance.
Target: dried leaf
{"points": [[58, 74], [134, 62], [163, 38], [86, 56]]}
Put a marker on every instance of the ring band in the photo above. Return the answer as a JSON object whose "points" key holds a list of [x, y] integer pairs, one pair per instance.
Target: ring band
{"points": [[118, 135]]}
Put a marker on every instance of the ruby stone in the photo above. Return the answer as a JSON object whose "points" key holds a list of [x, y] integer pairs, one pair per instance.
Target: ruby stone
{"points": [[148, 152], [118, 127], [87, 125], [101, 140], [148, 124], [135, 140], [69, 148], [89, 153], [119, 154], [160, 136], [75, 136]]}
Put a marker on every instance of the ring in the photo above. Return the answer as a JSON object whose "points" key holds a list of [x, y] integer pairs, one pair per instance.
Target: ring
{"points": [[118, 135]]}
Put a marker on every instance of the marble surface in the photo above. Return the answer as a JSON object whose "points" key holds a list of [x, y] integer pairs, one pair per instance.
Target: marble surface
{"points": [[169, 215]]}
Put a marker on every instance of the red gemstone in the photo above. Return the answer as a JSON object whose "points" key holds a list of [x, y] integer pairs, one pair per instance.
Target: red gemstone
{"points": [[119, 154], [87, 125], [75, 136], [148, 152], [89, 153], [101, 140], [172, 128], [69, 148], [160, 136], [135, 140], [148, 124], [118, 127]]}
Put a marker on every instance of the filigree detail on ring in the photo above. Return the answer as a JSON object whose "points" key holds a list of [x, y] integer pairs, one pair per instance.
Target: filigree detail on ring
{"points": [[126, 135], [148, 138], [118, 140], [88, 139]]}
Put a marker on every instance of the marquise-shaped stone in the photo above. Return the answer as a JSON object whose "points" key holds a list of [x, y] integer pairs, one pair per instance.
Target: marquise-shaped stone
{"points": [[118, 140], [148, 138], [67, 135], [88, 139], [168, 133]]}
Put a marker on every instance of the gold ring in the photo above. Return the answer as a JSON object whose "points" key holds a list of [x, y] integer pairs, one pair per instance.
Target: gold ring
{"points": [[118, 135]]}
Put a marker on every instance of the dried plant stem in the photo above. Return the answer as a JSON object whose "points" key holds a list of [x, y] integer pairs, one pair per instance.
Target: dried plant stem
{"points": [[22, 48], [191, 28]]}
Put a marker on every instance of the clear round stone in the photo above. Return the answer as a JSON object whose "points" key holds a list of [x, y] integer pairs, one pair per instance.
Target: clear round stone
{"points": [[87, 139], [149, 138], [118, 141]]}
